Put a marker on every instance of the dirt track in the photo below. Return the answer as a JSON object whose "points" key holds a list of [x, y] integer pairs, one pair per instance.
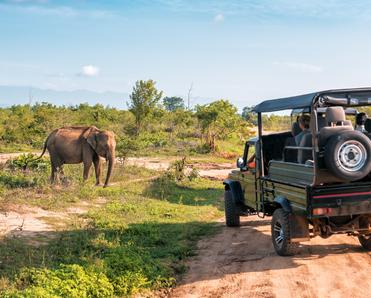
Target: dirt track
{"points": [[241, 262], [207, 170]]}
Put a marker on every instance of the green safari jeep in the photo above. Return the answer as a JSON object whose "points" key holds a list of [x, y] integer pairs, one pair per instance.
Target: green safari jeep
{"points": [[313, 181]]}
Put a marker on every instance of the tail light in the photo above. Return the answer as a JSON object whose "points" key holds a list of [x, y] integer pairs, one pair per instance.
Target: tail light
{"points": [[322, 211]]}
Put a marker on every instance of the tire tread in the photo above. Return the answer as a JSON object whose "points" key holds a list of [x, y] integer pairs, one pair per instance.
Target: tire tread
{"points": [[289, 248], [232, 212]]}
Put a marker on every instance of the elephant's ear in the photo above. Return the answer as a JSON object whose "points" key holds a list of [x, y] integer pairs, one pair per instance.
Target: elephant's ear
{"points": [[91, 136]]}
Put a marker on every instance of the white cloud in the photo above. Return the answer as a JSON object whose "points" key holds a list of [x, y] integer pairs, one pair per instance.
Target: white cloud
{"points": [[303, 67], [219, 18], [89, 71]]}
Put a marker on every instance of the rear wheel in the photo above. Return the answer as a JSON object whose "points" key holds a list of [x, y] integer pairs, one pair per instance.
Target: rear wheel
{"points": [[232, 212], [280, 227], [365, 241]]}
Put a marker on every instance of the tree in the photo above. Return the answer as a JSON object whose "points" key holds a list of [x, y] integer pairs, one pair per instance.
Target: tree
{"points": [[217, 120], [173, 103], [249, 115], [143, 101]]}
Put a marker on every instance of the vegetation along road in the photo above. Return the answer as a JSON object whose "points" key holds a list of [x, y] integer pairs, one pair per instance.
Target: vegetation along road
{"points": [[139, 237]]}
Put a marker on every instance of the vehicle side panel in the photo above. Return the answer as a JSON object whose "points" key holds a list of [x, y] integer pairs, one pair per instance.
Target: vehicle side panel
{"points": [[296, 195], [288, 172], [247, 181]]}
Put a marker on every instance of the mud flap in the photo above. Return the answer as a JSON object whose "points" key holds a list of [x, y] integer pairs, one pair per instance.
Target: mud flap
{"points": [[299, 228]]}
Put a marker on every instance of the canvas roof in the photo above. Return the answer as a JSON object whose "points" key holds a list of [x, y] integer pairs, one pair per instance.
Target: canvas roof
{"points": [[306, 100]]}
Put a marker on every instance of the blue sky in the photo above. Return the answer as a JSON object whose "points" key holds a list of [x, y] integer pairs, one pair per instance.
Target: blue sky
{"points": [[244, 51]]}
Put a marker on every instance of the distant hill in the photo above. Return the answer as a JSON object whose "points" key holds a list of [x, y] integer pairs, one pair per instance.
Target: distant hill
{"points": [[10, 95]]}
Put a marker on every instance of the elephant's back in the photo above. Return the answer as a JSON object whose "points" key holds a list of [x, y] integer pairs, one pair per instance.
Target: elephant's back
{"points": [[70, 133], [67, 143]]}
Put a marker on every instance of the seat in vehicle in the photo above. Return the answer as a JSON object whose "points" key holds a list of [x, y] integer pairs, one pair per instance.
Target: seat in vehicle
{"points": [[290, 155], [335, 123], [304, 154], [368, 125]]}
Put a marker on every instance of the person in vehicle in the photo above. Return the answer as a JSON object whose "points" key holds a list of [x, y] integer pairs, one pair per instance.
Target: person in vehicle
{"points": [[361, 119], [304, 122]]}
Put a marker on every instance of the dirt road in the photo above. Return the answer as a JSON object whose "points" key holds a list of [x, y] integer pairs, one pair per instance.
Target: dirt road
{"points": [[207, 170], [241, 262]]}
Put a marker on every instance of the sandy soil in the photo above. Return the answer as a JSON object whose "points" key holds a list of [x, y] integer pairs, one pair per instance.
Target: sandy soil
{"points": [[241, 262], [29, 223], [210, 170], [34, 224], [217, 171]]}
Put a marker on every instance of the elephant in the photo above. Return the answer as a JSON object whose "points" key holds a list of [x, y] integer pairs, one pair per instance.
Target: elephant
{"points": [[75, 144]]}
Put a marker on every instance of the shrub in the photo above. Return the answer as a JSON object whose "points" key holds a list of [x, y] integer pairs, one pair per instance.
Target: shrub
{"points": [[19, 180], [180, 170], [66, 281], [28, 161], [202, 149], [132, 268]]}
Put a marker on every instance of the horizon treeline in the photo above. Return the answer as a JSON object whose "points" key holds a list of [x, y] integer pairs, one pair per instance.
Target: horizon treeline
{"points": [[151, 123]]}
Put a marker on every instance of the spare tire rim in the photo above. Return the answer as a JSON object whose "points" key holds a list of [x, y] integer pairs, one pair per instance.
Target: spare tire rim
{"points": [[352, 156]]}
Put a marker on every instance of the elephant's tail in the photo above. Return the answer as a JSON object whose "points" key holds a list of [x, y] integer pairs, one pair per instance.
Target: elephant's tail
{"points": [[42, 154], [37, 158]]}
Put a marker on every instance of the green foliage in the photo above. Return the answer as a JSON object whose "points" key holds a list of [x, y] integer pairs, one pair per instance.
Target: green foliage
{"points": [[133, 242], [143, 101], [29, 161], [23, 127], [66, 281], [180, 170], [217, 120], [18, 181], [173, 103], [24, 171], [276, 122], [249, 115]]}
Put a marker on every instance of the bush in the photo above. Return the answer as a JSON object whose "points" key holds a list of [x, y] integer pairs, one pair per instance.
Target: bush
{"points": [[66, 281], [180, 170], [132, 268], [128, 145], [28, 161], [202, 149], [13, 180]]}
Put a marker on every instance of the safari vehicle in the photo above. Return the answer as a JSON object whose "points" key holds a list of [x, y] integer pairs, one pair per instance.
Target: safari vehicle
{"points": [[319, 187]]}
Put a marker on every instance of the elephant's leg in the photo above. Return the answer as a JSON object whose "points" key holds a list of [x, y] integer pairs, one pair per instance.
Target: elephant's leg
{"points": [[97, 166], [55, 165], [87, 166], [53, 174], [61, 171], [62, 177]]}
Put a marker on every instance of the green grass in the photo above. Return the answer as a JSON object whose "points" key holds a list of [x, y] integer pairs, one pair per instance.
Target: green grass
{"points": [[11, 148], [139, 240]]}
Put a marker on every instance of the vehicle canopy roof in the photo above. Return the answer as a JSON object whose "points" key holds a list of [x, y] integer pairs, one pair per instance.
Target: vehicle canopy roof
{"points": [[346, 97]]}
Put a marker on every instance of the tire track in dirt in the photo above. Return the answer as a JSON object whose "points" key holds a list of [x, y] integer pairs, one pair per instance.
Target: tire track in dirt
{"points": [[241, 262]]}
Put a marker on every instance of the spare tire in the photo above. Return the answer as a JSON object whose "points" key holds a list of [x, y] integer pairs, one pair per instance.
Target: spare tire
{"points": [[348, 155]]}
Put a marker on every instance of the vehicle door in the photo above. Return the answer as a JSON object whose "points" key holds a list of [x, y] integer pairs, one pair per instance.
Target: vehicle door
{"points": [[248, 176]]}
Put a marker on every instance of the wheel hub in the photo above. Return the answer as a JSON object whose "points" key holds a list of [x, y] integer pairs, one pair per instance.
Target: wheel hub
{"points": [[352, 156], [279, 235]]}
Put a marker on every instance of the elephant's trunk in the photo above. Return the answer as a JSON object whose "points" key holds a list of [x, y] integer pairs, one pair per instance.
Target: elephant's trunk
{"points": [[111, 161]]}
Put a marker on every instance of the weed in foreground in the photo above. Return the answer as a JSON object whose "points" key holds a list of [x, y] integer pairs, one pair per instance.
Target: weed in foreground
{"points": [[134, 242]]}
